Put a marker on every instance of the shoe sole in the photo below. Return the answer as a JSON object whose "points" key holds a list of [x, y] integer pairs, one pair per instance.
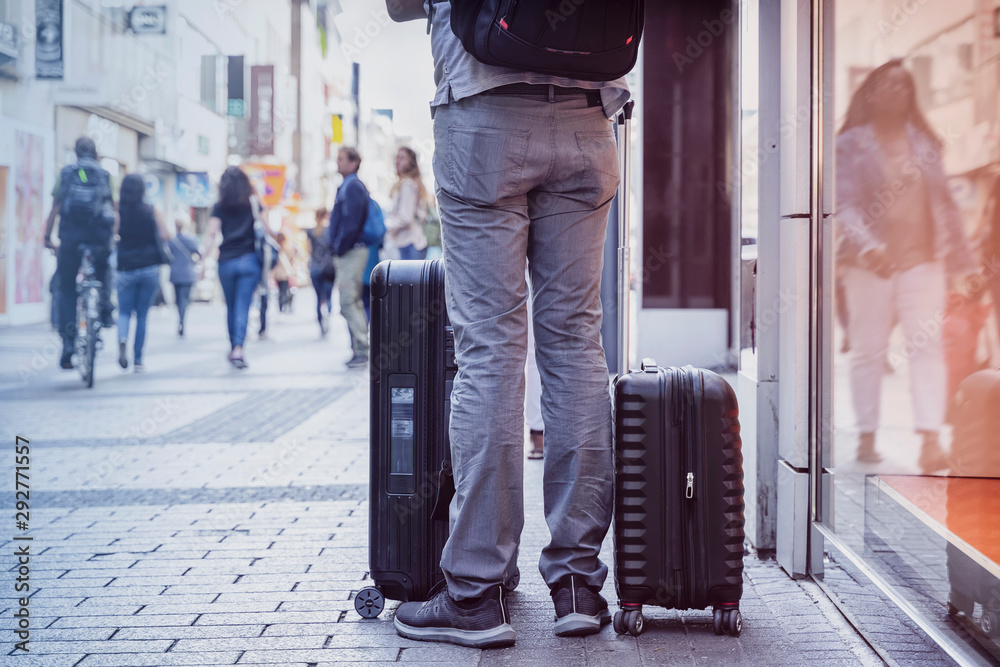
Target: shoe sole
{"points": [[578, 625], [499, 637]]}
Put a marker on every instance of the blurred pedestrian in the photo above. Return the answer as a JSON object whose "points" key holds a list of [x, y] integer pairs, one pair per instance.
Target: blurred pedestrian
{"points": [[321, 270], [900, 238], [142, 233], [283, 273], [239, 269], [407, 215], [184, 251], [350, 253]]}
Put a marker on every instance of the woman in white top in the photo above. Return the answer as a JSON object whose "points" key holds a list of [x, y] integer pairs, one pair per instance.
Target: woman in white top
{"points": [[404, 224]]}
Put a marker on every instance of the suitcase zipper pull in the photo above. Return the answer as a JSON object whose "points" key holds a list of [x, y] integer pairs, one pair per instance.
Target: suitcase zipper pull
{"points": [[690, 486]]}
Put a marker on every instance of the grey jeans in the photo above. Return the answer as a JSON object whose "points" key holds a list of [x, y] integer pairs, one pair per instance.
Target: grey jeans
{"points": [[350, 267], [523, 181]]}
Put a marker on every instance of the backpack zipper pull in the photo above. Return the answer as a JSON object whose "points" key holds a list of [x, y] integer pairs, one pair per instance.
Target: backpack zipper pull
{"points": [[689, 493]]}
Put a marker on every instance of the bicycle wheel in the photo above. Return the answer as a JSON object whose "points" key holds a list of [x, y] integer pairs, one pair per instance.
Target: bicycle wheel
{"points": [[81, 357], [93, 327]]}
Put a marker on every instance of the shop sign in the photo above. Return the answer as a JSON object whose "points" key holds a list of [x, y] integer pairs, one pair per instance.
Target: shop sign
{"points": [[148, 20], [268, 181], [8, 40], [48, 39]]}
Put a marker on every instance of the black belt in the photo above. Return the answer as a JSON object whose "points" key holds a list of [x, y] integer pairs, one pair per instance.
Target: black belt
{"points": [[549, 91]]}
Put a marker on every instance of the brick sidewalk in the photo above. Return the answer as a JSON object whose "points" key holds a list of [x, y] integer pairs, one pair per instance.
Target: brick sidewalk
{"points": [[198, 516]]}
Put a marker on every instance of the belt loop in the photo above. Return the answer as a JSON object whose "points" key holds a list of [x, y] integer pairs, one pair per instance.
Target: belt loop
{"points": [[552, 93]]}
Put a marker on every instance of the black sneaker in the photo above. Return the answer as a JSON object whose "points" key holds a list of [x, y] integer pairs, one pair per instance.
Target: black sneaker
{"points": [[483, 623], [580, 610]]}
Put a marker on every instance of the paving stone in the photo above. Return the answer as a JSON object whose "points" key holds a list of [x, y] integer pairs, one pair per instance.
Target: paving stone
{"points": [[113, 646], [159, 659], [123, 621], [441, 653], [251, 643], [21, 659], [318, 655]]}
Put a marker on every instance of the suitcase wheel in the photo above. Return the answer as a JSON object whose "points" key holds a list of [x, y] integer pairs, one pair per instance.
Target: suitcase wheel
{"points": [[734, 622], [727, 621], [628, 621], [988, 624], [369, 602], [617, 622], [717, 621]]}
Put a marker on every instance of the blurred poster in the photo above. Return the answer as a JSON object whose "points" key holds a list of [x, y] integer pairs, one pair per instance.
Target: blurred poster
{"points": [[29, 179], [154, 191], [268, 180], [193, 189], [48, 39]]}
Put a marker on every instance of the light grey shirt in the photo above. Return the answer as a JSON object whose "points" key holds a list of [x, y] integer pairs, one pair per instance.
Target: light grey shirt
{"points": [[458, 74]]}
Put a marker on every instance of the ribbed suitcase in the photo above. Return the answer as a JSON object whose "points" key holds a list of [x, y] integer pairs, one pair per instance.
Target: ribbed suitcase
{"points": [[412, 369], [678, 496], [679, 522]]}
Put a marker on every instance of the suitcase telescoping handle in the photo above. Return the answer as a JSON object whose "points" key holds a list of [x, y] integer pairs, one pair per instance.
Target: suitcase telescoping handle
{"points": [[624, 210]]}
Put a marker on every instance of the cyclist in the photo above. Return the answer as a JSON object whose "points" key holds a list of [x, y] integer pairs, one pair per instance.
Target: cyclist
{"points": [[83, 200]]}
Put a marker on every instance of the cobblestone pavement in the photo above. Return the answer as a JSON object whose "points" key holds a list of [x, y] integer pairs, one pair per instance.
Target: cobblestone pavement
{"points": [[196, 515]]}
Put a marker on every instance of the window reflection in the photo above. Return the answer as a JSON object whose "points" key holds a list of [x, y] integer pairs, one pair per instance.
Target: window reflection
{"points": [[916, 407]]}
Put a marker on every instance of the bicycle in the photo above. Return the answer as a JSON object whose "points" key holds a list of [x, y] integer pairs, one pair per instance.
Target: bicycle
{"points": [[88, 320]]}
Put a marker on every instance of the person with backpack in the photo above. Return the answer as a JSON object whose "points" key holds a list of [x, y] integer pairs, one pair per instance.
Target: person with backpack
{"points": [[350, 250], [526, 166], [83, 201], [140, 253]]}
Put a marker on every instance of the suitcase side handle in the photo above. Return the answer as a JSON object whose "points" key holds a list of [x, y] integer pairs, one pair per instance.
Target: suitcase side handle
{"points": [[649, 365]]}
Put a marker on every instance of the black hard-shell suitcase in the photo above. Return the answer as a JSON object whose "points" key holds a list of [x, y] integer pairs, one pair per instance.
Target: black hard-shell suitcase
{"points": [[678, 525], [412, 369], [678, 495]]}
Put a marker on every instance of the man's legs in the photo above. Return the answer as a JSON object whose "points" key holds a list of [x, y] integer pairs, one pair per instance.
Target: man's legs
{"points": [[349, 269], [569, 217], [68, 264]]}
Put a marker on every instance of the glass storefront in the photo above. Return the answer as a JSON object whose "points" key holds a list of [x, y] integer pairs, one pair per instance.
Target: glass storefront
{"points": [[913, 442], [904, 414]]}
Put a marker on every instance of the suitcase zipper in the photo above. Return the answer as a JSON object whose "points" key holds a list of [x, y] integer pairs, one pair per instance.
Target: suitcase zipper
{"points": [[690, 507]]}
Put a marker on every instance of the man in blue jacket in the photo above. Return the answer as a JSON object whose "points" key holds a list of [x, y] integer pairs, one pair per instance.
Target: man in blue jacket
{"points": [[349, 252]]}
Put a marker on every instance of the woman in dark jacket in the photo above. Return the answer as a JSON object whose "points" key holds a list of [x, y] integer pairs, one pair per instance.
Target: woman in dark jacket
{"points": [[239, 268], [139, 257], [900, 239]]}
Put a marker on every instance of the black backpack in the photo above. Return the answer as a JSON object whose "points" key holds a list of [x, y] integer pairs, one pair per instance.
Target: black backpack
{"points": [[594, 40], [85, 195]]}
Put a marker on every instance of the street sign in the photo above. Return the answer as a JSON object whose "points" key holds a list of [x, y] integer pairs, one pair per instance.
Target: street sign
{"points": [[151, 20]]}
